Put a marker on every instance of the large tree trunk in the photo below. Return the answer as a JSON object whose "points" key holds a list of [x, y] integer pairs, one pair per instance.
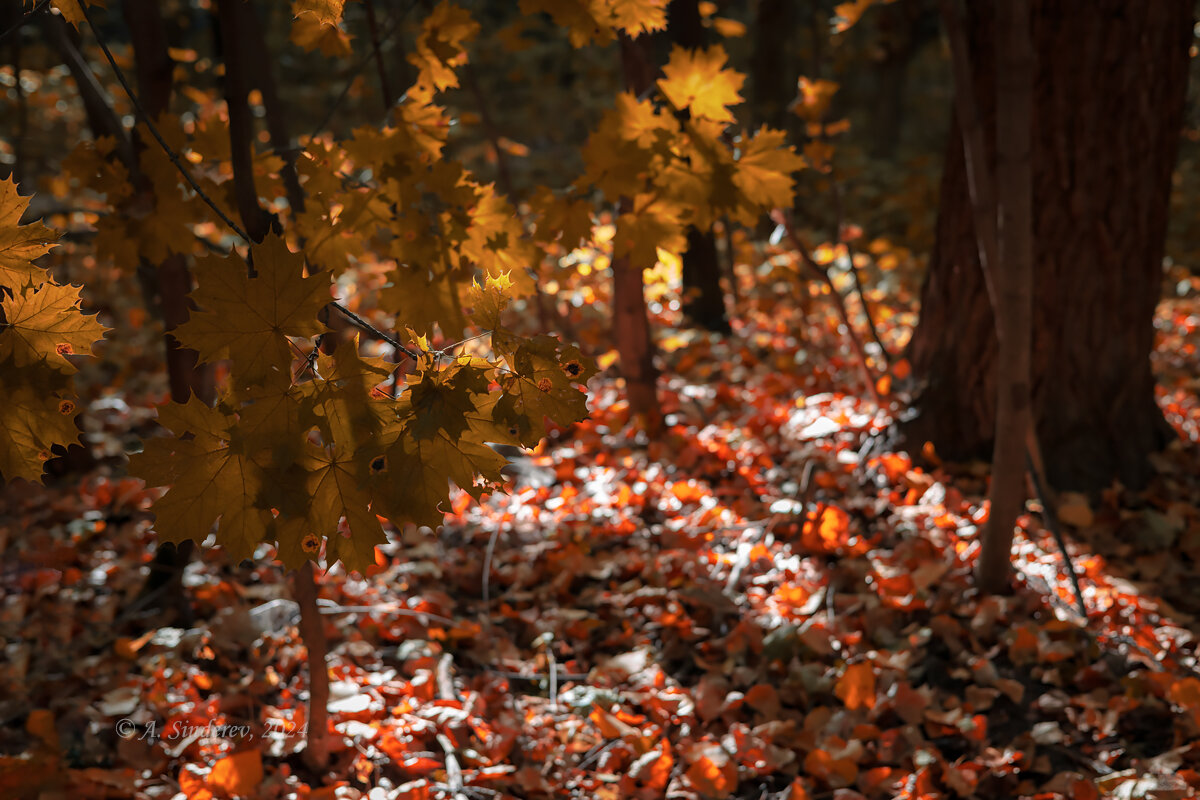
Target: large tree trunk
{"points": [[1109, 93]]}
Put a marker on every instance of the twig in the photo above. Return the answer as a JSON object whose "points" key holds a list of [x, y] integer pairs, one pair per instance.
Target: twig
{"points": [[369, 328], [376, 48], [383, 608], [25, 19], [444, 676], [1050, 517], [454, 777], [854, 273], [487, 570], [838, 301]]}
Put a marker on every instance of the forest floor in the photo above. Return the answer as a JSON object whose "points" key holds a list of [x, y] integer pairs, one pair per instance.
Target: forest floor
{"points": [[753, 606]]}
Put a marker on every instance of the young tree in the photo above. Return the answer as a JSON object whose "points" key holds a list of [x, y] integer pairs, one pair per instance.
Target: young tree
{"points": [[1109, 93]]}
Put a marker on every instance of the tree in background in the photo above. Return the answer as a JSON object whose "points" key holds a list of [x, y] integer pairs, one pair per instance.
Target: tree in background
{"points": [[1110, 87]]}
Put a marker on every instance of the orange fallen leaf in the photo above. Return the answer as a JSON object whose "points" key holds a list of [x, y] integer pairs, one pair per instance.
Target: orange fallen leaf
{"points": [[240, 773], [856, 687]]}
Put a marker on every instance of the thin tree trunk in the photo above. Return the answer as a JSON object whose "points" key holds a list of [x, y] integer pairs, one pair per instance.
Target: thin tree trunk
{"points": [[385, 83], [312, 632], [231, 16], [253, 46], [231, 22], [773, 73], [703, 296], [631, 324], [153, 70], [1014, 274]]}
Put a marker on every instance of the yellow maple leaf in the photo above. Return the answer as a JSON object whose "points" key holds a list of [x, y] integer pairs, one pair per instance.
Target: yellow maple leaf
{"points": [[489, 300], [635, 17], [20, 244], [311, 34], [35, 419], [653, 223], [698, 81], [46, 325], [583, 19], [335, 488], [640, 122], [439, 47], [210, 480], [565, 220], [249, 319], [71, 11], [327, 12], [765, 165], [813, 98]]}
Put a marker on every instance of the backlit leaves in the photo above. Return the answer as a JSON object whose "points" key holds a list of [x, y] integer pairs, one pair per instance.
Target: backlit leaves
{"points": [[34, 420], [326, 12], [40, 324], [45, 324], [249, 319], [440, 46], [600, 21], [698, 81], [20, 244]]}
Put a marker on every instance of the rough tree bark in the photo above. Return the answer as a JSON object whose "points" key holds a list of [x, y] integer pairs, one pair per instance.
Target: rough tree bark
{"points": [[703, 297], [1109, 93]]}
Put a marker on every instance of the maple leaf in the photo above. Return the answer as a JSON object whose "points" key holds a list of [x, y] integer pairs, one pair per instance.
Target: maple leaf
{"points": [[20, 244], [764, 170], [46, 325], [636, 17], [327, 12], [71, 11], [421, 300], [813, 98], [698, 81], [489, 300], [336, 488], [311, 34], [421, 126], [600, 20], [583, 19], [566, 220], [650, 225], [615, 164], [346, 409], [856, 687], [36, 417], [540, 385], [211, 481], [641, 122], [439, 47], [249, 319]]}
